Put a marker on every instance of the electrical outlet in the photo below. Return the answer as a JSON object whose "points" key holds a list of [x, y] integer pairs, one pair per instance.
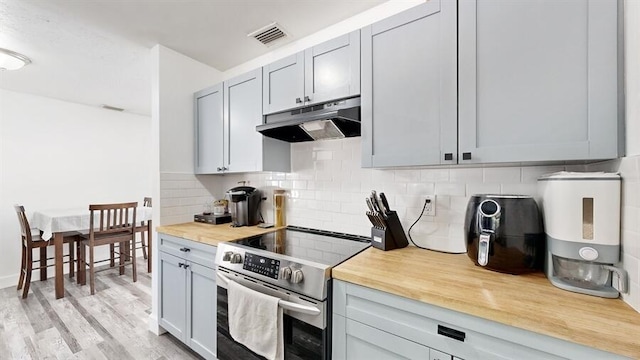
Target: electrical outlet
{"points": [[430, 209]]}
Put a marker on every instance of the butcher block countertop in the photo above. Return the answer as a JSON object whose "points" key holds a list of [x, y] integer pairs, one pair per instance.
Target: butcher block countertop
{"points": [[212, 234], [528, 302]]}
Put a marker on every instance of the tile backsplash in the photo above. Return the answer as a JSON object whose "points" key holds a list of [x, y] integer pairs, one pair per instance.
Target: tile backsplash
{"points": [[327, 187]]}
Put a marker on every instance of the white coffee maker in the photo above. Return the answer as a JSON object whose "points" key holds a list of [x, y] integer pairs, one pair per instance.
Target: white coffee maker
{"points": [[582, 227]]}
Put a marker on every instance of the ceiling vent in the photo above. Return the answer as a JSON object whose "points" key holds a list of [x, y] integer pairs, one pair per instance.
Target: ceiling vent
{"points": [[268, 34]]}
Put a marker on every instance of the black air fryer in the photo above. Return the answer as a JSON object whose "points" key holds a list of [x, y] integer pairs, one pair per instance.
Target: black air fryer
{"points": [[505, 233]]}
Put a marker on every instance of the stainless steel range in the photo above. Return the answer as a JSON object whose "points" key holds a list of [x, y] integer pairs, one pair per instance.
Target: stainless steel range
{"points": [[295, 265]]}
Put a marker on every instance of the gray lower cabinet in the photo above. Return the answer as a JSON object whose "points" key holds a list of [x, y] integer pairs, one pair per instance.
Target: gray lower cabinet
{"points": [[370, 324], [187, 293], [409, 100], [539, 80], [325, 72], [226, 116]]}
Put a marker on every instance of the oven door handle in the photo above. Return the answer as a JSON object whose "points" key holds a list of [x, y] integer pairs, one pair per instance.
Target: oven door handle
{"points": [[287, 305]]}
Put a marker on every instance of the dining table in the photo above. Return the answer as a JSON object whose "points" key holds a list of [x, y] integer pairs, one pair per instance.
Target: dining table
{"points": [[55, 223]]}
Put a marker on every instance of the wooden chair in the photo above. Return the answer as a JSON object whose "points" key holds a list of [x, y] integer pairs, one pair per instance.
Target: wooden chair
{"points": [[110, 224], [142, 244], [30, 241]]}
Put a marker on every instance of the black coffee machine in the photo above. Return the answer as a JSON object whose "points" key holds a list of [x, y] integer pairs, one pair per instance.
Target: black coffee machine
{"points": [[505, 233], [244, 204]]}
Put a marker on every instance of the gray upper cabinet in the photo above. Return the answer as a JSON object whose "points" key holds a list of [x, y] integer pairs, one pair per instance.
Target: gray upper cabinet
{"points": [[538, 80], [325, 72], [409, 99], [231, 143], [332, 69], [283, 84], [208, 128]]}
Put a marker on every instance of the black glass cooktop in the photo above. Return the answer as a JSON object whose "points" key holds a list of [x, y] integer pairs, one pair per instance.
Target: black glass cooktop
{"points": [[323, 247]]}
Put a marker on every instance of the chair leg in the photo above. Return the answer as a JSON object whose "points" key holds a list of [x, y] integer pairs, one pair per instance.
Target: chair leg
{"points": [[92, 275], [82, 264], [144, 245], [72, 258], [112, 259], [27, 281], [122, 248], [133, 260], [43, 263], [23, 267]]}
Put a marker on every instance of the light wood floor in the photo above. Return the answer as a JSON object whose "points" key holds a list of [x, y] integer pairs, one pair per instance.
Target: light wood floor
{"points": [[112, 324]]}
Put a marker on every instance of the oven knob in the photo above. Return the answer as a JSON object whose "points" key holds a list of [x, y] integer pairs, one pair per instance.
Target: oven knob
{"points": [[236, 259], [297, 276], [227, 255], [286, 273]]}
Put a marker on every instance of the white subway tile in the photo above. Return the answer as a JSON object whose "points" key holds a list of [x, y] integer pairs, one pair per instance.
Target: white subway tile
{"points": [[630, 193], [633, 296], [420, 188], [480, 188], [532, 173], [465, 175], [520, 189], [408, 176], [502, 175], [630, 218], [323, 155], [434, 175], [382, 176], [632, 265], [631, 243], [450, 189]]}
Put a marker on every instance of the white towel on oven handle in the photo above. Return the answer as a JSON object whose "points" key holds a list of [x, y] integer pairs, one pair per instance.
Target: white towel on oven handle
{"points": [[255, 321]]}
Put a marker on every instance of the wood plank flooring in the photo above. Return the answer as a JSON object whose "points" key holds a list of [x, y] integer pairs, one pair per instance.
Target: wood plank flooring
{"points": [[112, 324]]}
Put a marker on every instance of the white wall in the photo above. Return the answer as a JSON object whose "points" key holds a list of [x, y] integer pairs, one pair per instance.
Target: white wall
{"points": [[56, 154], [174, 79]]}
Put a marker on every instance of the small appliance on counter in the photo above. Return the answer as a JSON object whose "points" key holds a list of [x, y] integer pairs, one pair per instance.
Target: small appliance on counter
{"points": [[387, 232], [582, 226], [505, 233], [244, 205]]}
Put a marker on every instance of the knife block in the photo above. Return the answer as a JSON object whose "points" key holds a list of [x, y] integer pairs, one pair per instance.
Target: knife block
{"points": [[391, 236]]}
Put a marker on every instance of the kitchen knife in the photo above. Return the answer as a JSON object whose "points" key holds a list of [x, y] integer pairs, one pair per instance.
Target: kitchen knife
{"points": [[374, 202], [369, 205], [378, 202], [383, 197]]}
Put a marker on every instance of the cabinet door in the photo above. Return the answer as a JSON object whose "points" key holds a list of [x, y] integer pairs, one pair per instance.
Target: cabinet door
{"points": [[201, 310], [172, 301], [243, 112], [283, 83], [538, 80], [359, 341], [208, 128], [332, 69], [409, 103]]}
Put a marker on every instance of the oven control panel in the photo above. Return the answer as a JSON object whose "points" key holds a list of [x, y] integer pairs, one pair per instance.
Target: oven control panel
{"points": [[261, 265]]}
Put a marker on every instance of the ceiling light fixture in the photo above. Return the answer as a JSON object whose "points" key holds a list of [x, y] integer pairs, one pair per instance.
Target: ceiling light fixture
{"points": [[10, 60]]}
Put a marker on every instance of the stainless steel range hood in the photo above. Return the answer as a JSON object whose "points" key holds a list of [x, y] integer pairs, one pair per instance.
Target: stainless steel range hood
{"points": [[332, 120]]}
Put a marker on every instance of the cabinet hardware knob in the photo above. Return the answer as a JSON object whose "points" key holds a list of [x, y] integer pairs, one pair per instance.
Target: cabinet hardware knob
{"points": [[184, 249], [306, 98], [186, 266], [298, 101], [180, 265], [448, 156], [219, 169], [466, 156], [225, 168]]}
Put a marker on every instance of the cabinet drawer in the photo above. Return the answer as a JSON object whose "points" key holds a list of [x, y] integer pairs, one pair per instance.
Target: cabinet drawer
{"points": [[188, 250], [420, 323]]}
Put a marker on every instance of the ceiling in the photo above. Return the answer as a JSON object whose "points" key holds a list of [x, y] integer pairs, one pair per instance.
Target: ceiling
{"points": [[97, 51]]}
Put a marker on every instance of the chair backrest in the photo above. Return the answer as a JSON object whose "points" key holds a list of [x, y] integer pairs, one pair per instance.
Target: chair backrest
{"points": [[25, 229], [116, 219], [147, 202]]}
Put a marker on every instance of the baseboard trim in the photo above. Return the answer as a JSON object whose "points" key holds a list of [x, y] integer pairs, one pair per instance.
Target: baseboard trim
{"points": [[154, 326]]}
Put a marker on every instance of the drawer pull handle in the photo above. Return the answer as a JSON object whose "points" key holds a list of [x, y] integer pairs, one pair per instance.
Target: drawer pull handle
{"points": [[452, 333], [185, 249]]}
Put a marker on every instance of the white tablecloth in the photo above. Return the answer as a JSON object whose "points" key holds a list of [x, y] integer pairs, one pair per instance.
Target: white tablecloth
{"points": [[62, 220]]}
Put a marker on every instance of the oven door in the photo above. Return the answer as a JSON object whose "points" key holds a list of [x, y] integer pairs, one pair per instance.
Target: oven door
{"points": [[302, 339]]}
